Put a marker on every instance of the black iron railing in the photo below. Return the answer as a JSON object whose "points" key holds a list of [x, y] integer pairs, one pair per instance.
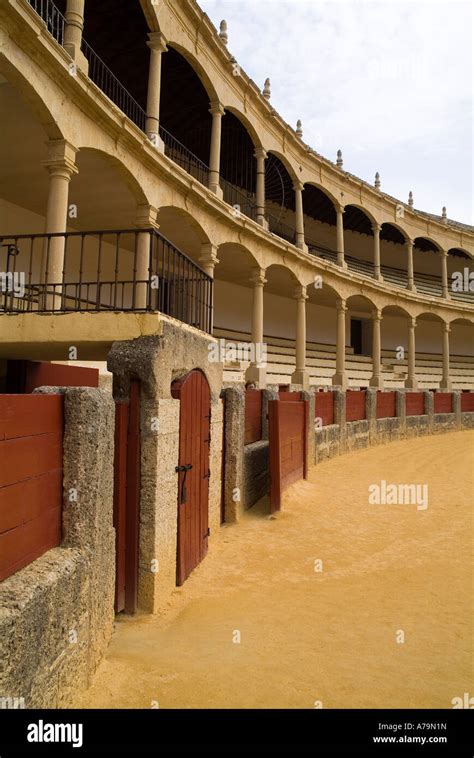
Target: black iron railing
{"points": [[119, 270], [184, 157], [106, 81], [241, 201], [53, 18], [278, 227]]}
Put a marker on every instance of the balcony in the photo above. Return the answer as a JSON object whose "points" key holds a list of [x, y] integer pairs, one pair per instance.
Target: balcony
{"points": [[111, 271]]}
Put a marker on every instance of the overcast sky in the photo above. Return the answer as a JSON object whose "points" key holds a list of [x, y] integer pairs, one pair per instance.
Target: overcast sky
{"points": [[390, 83]]}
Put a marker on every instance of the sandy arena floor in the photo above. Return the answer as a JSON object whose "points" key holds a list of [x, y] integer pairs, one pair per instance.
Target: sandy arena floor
{"points": [[327, 636]]}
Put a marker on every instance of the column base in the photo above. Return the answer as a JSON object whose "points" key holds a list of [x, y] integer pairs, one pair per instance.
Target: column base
{"points": [[78, 57], [340, 380], [302, 246], [342, 263], [257, 375], [446, 384], [379, 277], [411, 287], [217, 190], [376, 382], [411, 384], [157, 142], [300, 377], [262, 221]]}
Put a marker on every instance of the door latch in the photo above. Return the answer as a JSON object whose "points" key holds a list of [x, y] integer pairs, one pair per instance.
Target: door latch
{"points": [[183, 469]]}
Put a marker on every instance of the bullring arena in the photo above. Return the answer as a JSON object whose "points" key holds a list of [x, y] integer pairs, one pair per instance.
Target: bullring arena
{"points": [[236, 389]]}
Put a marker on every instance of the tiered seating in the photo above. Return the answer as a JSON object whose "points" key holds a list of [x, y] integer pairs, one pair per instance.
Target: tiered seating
{"points": [[321, 365]]}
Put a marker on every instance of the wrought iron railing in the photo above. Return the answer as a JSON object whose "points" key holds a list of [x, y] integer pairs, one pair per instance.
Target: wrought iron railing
{"points": [[106, 81], [278, 227], [181, 155], [241, 201], [112, 270], [51, 15]]}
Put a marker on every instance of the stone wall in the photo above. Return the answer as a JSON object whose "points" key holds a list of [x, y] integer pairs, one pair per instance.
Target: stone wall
{"points": [[157, 361], [56, 615]]}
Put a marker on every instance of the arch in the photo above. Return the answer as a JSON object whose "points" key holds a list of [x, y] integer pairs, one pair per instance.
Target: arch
{"points": [[198, 69], [125, 173], [321, 293], [236, 263], [464, 320], [430, 316], [361, 303], [460, 252], [426, 244], [358, 219], [182, 230], [252, 132], [280, 280], [396, 310], [286, 164], [32, 98], [149, 11], [324, 190], [319, 204], [391, 232]]}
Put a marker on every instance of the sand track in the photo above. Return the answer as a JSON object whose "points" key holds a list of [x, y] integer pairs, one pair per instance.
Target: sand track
{"points": [[326, 636]]}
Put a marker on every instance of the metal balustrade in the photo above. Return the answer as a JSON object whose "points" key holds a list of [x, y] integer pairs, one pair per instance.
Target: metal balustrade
{"points": [[184, 157], [51, 15], [112, 270]]}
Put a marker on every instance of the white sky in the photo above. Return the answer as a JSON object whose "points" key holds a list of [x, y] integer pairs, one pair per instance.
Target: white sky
{"points": [[390, 83]]}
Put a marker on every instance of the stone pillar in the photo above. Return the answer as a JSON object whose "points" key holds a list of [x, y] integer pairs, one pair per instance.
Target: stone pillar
{"points": [[217, 111], [208, 261], [411, 275], [144, 297], [340, 237], [457, 408], [73, 33], [260, 156], [340, 416], [411, 381], [340, 377], [255, 373], [429, 409], [157, 44], [61, 167], [401, 411], [444, 273], [445, 383], [300, 375], [234, 437], [371, 413], [299, 224], [377, 270], [376, 378]]}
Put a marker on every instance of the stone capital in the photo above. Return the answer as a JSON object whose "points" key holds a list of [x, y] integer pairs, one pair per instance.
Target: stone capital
{"points": [[157, 42], [341, 306], [446, 328], [340, 208], [208, 257], [412, 322], [377, 314], [300, 293], [258, 277], [216, 109], [298, 186], [61, 158], [146, 216], [260, 153], [376, 228]]}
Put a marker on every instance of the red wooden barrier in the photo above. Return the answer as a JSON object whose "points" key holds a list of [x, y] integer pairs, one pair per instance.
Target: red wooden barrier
{"points": [[253, 416], [443, 402], [31, 477], [293, 397], [467, 402], [355, 405], [386, 405], [287, 427], [414, 404], [324, 407], [26, 376]]}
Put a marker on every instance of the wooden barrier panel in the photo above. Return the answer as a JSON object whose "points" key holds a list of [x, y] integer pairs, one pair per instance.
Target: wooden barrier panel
{"points": [[443, 402], [324, 407], [414, 404], [26, 376], [467, 402], [253, 416], [287, 428], [386, 405], [31, 478], [293, 397], [355, 405]]}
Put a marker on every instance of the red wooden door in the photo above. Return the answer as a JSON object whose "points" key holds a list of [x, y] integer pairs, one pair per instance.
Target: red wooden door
{"points": [[127, 500], [193, 471]]}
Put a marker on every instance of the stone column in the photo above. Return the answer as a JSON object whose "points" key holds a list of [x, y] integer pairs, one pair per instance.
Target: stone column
{"points": [[208, 261], [340, 237], [61, 167], [157, 44], [260, 156], [254, 373], [300, 375], [340, 377], [377, 271], [444, 273], [411, 275], [376, 378], [217, 111], [411, 381], [73, 33], [445, 383], [144, 295], [299, 219]]}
